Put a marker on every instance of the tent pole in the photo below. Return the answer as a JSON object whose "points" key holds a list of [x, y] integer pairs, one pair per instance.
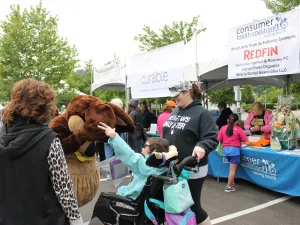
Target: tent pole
{"points": [[288, 85], [126, 87], [237, 91]]}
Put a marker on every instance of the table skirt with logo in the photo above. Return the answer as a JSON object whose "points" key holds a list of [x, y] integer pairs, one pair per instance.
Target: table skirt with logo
{"points": [[274, 170]]}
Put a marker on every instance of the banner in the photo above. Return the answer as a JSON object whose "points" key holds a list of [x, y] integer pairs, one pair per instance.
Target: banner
{"points": [[267, 168], [112, 74], [152, 73], [265, 47]]}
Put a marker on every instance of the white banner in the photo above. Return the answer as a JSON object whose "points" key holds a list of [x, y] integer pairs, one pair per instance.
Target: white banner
{"points": [[152, 73], [265, 47], [112, 73]]}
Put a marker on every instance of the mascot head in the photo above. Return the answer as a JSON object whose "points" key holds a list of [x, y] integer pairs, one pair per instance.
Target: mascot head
{"points": [[79, 123]]}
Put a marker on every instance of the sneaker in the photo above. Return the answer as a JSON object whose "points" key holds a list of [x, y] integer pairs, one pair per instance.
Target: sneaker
{"points": [[229, 189]]}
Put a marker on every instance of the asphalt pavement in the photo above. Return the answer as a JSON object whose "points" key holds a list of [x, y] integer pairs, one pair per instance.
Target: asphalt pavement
{"points": [[249, 205]]}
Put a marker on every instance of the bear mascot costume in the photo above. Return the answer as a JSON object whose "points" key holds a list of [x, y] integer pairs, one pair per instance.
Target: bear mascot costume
{"points": [[78, 131]]}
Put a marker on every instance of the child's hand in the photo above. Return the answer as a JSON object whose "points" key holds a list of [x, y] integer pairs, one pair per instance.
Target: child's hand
{"points": [[110, 132]]}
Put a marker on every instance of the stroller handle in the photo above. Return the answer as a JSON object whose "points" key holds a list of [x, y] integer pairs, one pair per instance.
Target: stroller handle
{"points": [[188, 163]]}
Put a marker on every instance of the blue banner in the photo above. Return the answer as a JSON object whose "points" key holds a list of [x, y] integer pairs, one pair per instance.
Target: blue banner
{"points": [[267, 168]]}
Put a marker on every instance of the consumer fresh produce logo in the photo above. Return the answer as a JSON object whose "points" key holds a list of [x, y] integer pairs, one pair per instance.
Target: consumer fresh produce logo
{"points": [[259, 167]]}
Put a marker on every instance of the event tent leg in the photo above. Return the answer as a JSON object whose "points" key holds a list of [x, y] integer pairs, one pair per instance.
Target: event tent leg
{"points": [[288, 85]]}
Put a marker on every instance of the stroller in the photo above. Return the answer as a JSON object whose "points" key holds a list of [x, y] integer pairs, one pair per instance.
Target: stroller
{"points": [[110, 209]]}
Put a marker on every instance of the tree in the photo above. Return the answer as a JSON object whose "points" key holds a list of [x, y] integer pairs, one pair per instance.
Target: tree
{"points": [[222, 95], [271, 95], [30, 47], [278, 6], [179, 31], [247, 95]]}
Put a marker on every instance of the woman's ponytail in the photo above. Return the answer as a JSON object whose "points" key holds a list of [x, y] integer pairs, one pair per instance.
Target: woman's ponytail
{"points": [[232, 119], [196, 92]]}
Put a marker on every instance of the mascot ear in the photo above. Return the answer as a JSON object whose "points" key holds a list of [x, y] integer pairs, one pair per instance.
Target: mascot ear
{"points": [[124, 123]]}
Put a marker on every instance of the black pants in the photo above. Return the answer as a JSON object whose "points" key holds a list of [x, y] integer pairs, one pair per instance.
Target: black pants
{"points": [[195, 188]]}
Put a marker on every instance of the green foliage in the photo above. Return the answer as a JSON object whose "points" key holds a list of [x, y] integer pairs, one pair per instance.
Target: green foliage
{"points": [[295, 89], [179, 31], [278, 6], [108, 95], [64, 97], [259, 89], [271, 95], [247, 107], [222, 95], [247, 95], [30, 47]]}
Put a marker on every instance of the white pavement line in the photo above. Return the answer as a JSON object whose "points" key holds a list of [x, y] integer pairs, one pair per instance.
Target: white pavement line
{"points": [[86, 223], [250, 210], [105, 179]]}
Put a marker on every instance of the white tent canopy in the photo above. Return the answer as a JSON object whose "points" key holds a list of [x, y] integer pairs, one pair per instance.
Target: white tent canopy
{"points": [[111, 76]]}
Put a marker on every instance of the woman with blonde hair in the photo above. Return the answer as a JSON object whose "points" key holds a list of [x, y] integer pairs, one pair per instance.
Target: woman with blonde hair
{"points": [[259, 121], [36, 187]]}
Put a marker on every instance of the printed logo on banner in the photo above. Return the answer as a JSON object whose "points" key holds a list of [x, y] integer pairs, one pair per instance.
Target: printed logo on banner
{"points": [[281, 23], [262, 27], [259, 167], [267, 47]]}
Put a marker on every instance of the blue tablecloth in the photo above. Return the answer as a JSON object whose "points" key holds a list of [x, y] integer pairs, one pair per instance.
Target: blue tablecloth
{"points": [[270, 169]]}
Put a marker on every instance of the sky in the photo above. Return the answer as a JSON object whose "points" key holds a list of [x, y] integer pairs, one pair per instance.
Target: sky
{"points": [[99, 29]]}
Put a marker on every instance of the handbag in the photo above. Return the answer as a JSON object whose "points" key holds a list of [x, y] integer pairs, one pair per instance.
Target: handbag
{"points": [[117, 169], [187, 217], [177, 197]]}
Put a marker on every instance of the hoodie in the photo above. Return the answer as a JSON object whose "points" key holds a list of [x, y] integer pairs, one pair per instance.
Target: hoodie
{"points": [[189, 127], [18, 139], [136, 162]]}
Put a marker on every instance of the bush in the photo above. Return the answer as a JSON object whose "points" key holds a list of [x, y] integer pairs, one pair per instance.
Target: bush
{"points": [[247, 107], [295, 106]]}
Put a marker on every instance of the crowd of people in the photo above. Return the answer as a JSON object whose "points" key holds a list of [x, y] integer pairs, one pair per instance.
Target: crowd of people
{"points": [[31, 154]]}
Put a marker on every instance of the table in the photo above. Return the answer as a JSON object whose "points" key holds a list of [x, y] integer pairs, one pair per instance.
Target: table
{"points": [[153, 134], [270, 169]]}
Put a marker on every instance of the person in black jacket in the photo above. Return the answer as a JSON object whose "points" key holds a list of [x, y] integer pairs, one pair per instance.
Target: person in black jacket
{"points": [[147, 116], [191, 128], [36, 187], [223, 118], [135, 138]]}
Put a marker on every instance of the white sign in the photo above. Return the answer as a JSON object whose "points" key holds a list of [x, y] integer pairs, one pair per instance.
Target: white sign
{"points": [[265, 47], [112, 73], [152, 73]]}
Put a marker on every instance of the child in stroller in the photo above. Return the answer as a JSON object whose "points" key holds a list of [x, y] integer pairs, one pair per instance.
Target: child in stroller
{"points": [[136, 162], [145, 178]]}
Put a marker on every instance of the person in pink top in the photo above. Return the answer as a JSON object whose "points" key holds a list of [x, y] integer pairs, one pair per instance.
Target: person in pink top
{"points": [[259, 121], [231, 136], [168, 108]]}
